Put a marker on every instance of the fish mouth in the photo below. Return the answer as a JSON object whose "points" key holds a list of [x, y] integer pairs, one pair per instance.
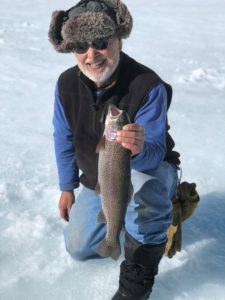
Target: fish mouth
{"points": [[113, 111]]}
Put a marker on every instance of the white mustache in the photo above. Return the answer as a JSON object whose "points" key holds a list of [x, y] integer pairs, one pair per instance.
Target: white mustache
{"points": [[94, 60]]}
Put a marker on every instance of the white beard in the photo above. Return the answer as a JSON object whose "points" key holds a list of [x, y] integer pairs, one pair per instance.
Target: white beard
{"points": [[103, 76]]}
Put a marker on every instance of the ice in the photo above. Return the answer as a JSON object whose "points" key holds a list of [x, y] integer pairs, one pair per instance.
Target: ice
{"points": [[181, 40]]}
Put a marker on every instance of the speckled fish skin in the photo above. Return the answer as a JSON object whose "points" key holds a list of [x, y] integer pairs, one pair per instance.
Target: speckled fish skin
{"points": [[114, 182]]}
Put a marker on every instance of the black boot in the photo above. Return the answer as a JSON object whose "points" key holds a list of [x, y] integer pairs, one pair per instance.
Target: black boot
{"points": [[138, 270]]}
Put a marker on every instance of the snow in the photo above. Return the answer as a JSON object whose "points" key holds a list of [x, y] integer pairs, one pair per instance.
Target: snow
{"points": [[184, 42]]}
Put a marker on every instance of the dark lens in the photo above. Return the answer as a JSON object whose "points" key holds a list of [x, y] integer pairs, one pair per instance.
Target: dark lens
{"points": [[100, 44], [81, 47]]}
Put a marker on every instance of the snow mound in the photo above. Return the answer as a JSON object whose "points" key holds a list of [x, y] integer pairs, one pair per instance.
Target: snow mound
{"points": [[216, 78]]}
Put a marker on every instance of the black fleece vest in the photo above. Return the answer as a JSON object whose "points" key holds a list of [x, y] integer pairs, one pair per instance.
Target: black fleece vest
{"points": [[86, 113]]}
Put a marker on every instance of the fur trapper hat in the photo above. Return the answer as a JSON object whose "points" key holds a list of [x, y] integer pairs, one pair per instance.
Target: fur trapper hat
{"points": [[87, 21]]}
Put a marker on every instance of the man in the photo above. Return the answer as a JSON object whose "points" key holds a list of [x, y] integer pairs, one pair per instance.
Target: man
{"points": [[93, 31]]}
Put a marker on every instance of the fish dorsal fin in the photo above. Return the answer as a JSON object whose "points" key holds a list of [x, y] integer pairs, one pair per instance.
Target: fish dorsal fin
{"points": [[100, 145]]}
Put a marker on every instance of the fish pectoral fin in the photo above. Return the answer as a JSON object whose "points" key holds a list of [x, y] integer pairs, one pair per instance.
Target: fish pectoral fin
{"points": [[100, 145], [97, 189], [101, 217], [131, 191]]}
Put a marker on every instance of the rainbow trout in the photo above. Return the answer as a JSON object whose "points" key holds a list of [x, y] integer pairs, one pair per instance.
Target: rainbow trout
{"points": [[114, 181]]}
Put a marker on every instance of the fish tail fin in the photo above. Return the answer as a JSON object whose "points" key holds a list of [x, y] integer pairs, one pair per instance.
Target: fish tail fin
{"points": [[106, 250]]}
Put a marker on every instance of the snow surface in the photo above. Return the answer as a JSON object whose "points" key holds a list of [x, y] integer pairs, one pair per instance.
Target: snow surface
{"points": [[184, 42]]}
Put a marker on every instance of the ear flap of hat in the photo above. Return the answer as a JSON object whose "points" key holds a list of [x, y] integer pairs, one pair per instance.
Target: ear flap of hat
{"points": [[124, 19], [54, 34]]}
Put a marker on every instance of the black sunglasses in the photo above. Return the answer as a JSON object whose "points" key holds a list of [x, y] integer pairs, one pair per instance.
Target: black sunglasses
{"points": [[98, 44]]}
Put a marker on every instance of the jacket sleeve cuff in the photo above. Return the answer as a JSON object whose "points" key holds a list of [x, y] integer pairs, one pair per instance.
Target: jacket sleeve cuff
{"points": [[69, 186], [136, 161]]}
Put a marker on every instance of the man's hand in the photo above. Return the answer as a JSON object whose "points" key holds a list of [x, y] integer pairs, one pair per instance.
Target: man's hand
{"points": [[65, 203], [132, 137]]}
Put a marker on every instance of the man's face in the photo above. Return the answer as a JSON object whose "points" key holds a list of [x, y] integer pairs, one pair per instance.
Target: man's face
{"points": [[99, 65]]}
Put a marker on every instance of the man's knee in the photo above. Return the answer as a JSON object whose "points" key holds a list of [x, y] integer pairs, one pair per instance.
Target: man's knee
{"points": [[77, 247], [76, 254]]}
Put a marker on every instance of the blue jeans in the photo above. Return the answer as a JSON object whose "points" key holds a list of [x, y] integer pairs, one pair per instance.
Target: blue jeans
{"points": [[147, 219]]}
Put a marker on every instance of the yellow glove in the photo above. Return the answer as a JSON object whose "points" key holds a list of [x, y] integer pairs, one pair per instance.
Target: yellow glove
{"points": [[184, 206], [174, 232]]}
